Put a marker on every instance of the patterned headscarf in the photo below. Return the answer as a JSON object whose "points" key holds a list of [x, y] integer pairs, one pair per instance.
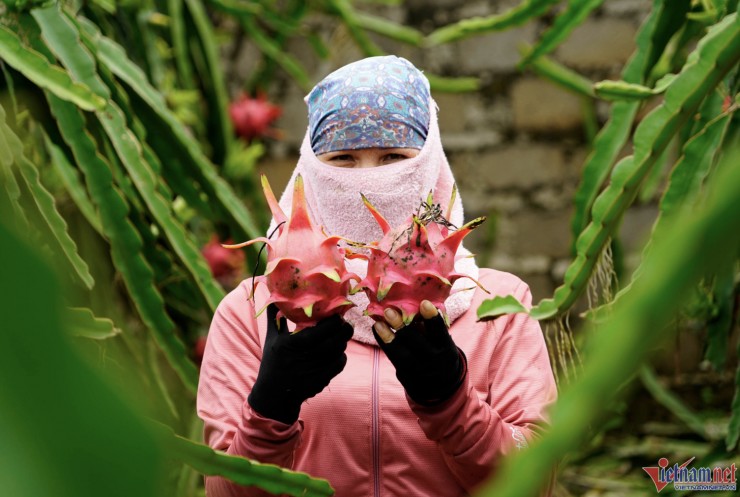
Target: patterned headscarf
{"points": [[375, 102]]}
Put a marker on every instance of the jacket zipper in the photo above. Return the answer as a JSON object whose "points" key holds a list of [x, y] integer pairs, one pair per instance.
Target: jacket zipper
{"points": [[376, 422]]}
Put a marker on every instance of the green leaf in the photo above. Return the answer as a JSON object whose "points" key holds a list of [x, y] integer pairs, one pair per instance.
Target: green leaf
{"points": [[612, 137], [159, 381], [671, 20], [562, 27], [604, 151], [58, 29], [179, 43], [655, 177], [81, 322], [125, 242], [453, 85], [621, 90], [715, 55], [10, 87], [130, 152], [560, 74], [495, 307], [7, 155], [692, 167], [73, 183], [343, 8], [719, 327], [190, 480], [391, 30], [171, 133], [48, 76], [268, 477], [46, 207], [278, 21], [10, 198], [213, 82], [684, 186], [705, 240], [516, 16], [91, 441], [157, 59], [733, 431], [284, 21], [272, 50], [318, 45], [107, 5], [672, 402], [62, 40], [663, 83], [54, 222]]}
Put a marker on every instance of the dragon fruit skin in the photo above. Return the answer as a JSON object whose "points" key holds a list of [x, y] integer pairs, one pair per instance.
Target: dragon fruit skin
{"points": [[412, 263], [306, 274]]}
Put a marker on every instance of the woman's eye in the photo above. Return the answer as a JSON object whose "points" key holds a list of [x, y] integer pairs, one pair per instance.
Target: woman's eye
{"points": [[341, 158], [394, 157]]}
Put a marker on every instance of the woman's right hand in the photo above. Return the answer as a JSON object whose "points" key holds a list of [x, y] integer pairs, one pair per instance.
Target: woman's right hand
{"points": [[297, 366]]}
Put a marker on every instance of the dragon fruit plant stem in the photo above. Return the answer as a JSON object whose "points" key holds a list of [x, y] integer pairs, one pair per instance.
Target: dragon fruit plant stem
{"points": [[414, 262], [305, 274]]}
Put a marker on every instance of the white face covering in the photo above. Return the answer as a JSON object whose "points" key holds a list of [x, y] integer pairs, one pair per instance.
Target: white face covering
{"points": [[396, 190]]}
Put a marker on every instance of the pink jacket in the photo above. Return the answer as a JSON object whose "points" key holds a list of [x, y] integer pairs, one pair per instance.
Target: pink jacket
{"points": [[361, 433]]}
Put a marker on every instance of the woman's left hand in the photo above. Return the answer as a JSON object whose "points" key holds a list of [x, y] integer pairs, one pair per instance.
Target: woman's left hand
{"points": [[428, 363]]}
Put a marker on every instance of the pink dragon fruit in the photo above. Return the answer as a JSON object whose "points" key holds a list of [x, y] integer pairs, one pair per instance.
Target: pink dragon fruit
{"points": [[252, 117], [413, 262], [227, 266], [305, 273]]}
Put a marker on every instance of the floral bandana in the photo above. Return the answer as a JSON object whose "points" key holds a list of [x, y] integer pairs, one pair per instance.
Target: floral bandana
{"points": [[375, 102]]}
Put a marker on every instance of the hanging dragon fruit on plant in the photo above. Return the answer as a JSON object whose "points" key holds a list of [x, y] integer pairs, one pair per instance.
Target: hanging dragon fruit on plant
{"points": [[306, 274], [414, 261], [252, 117], [227, 266]]}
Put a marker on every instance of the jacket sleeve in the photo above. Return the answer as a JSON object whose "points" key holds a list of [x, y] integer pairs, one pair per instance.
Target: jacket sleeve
{"points": [[474, 432], [229, 369]]}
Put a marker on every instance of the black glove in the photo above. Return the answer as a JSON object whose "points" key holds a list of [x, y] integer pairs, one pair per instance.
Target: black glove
{"points": [[297, 366], [428, 363]]}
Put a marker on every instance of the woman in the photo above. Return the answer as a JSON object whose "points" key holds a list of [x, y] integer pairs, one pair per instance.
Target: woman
{"points": [[376, 409]]}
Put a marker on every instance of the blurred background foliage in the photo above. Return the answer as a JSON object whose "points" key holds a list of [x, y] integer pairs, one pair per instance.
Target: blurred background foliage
{"points": [[125, 163]]}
